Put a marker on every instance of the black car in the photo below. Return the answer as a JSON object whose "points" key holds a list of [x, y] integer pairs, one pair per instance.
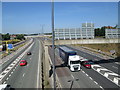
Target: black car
{"points": [[29, 53]]}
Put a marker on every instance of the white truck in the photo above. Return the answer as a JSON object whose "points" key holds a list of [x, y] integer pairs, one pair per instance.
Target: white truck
{"points": [[70, 58], [5, 87]]}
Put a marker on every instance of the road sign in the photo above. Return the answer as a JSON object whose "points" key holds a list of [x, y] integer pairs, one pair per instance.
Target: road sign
{"points": [[10, 46]]}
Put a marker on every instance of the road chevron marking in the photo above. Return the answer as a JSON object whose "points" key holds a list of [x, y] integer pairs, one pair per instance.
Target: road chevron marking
{"points": [[115, 80]]}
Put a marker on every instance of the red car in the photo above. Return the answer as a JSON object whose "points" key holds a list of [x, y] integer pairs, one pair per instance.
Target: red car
{"points": [[86, 64], [23, 62]]}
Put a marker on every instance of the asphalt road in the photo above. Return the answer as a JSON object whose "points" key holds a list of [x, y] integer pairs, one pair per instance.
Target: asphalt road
{"points": [[27, 76], [70, 79], [107, 63], [101, 80], [4, 65]]}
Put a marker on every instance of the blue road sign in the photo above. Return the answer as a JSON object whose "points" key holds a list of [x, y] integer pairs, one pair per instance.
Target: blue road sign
{"points": [[10, 46]]}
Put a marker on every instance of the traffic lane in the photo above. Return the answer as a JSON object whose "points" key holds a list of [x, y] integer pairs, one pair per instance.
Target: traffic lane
{"points": [[26, 76], [7, 63], [102, 81], [62, 72], [66, 76], [83, 80], [104, 63]]}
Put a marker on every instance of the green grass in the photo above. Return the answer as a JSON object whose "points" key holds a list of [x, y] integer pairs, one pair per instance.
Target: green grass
{"points": [[12, 50], [104, 47]]}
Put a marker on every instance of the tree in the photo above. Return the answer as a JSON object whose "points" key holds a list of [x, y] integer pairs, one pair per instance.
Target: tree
{"points": [[6, 36], [20, 37]]}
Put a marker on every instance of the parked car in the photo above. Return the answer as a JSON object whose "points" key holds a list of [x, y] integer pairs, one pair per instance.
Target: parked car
{"points": [[23, 62]]}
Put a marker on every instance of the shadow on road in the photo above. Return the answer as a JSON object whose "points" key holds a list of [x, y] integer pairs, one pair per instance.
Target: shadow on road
{"points": [[107, 61]]}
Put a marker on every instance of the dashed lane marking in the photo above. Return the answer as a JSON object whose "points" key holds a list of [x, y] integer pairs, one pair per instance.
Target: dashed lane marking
{"points": [[7, 78], [95, 82], [4, 82], [90, 78], [9, 75], [23, 74], [86, 74]]}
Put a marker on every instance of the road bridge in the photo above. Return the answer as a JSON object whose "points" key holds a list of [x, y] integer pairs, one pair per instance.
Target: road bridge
{"points": [[82, 41]]}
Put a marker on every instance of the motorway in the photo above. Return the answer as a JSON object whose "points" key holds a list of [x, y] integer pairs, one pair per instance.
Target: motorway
{"points": [[27, 76], [108, 63], [66, 77], [86, 78], [102, 61]]}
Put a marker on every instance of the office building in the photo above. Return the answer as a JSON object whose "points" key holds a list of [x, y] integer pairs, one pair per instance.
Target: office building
{"points": [[86, 32], [112, 33]]}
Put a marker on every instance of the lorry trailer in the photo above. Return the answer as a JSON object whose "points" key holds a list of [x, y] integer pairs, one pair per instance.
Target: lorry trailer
{"points": [[70, 58]]}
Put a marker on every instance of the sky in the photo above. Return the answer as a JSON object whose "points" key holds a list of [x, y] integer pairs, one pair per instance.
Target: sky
{"points": [[31, 17]]}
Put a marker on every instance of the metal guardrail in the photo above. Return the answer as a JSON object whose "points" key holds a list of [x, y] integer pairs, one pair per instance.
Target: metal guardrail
{"points": [[10, 68]]}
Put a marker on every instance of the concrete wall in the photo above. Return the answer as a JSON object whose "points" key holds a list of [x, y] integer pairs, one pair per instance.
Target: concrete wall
{"points": [[82, 41]]}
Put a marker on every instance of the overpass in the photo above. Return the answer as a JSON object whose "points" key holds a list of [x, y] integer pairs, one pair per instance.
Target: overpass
{"points": [[32, 36], [82, 41]]}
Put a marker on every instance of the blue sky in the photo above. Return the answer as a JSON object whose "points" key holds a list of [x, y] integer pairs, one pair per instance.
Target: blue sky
{"points": [[29, 17]]}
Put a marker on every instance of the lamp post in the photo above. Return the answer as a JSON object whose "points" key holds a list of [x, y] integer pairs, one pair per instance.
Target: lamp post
{"points": [[53, 51]]}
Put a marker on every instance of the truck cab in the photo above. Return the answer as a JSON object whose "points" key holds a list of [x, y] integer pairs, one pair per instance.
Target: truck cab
{"points": [[5, 87], [74, 63]]}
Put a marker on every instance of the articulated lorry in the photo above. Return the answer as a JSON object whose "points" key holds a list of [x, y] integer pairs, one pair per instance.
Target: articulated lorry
{"points": [[70, 58]]}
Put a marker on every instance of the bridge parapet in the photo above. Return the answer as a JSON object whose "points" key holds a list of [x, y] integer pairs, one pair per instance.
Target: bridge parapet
{"points": [[82, 41]]}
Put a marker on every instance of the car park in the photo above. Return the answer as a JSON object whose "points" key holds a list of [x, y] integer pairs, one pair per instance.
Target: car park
{"points": [[23, 62]]}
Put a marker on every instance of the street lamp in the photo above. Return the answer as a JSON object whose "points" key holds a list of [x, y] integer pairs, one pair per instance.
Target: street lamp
{"points": [[53, 51]]}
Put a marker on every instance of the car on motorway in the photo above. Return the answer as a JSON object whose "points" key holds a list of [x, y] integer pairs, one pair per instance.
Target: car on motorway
{"points": [[87, 64], [23, 62], [29, 53]]}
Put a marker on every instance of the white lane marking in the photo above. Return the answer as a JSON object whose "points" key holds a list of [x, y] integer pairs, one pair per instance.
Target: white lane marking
{"points": [[116, 80], [9, 75], [107, 74], [117, 63], [38, 68], [90, 78], [11, 72], [83, 71], [101, 87], [23, 74], [72, 76], [95, 82], [4, 82], [86, 74], [115, 67], [7, 78]]}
